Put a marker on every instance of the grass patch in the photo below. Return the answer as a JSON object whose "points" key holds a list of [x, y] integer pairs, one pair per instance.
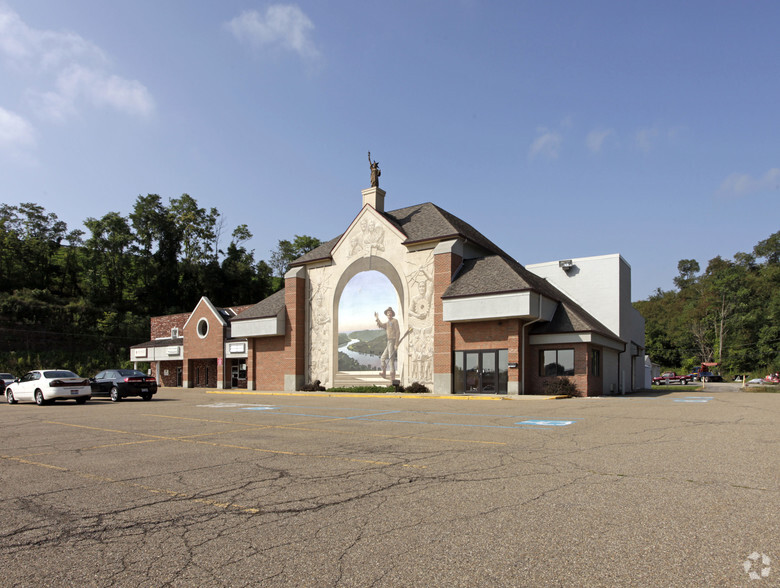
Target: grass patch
{"points": [[365, 389], [677, 387], [763, 389]]}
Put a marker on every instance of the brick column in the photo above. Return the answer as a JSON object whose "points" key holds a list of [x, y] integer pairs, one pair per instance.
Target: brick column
{"points": [[295, 335], [448, 256], [251, 376]]}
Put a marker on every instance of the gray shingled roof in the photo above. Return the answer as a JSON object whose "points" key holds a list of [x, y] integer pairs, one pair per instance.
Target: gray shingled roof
{"points": [[422, 222], [491, 274], [167, 342], [266, 308], [494, 274]]}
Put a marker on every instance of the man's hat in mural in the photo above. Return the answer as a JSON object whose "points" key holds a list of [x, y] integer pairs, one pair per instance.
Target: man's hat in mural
{"points": [[389, 311]]}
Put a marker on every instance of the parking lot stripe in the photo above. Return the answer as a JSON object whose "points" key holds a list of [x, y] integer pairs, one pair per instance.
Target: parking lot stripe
{"points": [[152, 489], [243, 447]]}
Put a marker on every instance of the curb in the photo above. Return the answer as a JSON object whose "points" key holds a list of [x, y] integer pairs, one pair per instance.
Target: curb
{"points": [[389, 395]]}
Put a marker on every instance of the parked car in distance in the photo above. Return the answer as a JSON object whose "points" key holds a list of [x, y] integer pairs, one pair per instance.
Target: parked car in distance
{"points": [[46, 386], [118, 384], [710, 377], [670, 378], [5, 379]]}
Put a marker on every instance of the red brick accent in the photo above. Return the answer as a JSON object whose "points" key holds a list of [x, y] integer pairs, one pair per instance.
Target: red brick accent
{"points": [[587, 383], [444, 266], [212, 346], [168, 380], [162, 325], [269, 358], [203, 373], [295, 335], [496, 334]]}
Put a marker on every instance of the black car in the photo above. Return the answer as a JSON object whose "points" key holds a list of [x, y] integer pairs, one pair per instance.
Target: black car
{"points": [[120, 384]]}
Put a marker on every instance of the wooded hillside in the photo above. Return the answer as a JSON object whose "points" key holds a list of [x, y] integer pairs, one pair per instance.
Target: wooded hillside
{"points": [[729, 313], [78, 300]]}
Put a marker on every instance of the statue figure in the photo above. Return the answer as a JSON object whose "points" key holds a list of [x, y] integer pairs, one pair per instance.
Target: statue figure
{"points": [[375, 171], [393, 334]]}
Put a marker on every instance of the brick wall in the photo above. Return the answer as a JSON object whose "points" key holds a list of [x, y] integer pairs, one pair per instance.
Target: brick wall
{"points": [[212, 346], [162, 325], [444, 266], [203, 373], [586, 383], [168, 380], [295, 336], [269, 359], [485, 335]]}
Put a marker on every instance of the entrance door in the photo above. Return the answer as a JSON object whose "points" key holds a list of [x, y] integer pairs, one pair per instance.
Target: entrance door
{"points": [[478, 372]]}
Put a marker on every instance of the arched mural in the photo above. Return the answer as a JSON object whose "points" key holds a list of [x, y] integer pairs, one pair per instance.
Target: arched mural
{"points": [[372, 272]]}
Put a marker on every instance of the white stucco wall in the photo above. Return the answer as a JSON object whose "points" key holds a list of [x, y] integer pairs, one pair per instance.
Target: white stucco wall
{"points": [[602, 286]]}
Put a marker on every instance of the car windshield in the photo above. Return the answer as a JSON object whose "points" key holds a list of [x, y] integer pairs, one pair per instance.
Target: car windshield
{"points": [[6, 377], [131, 373], [59, 374]]}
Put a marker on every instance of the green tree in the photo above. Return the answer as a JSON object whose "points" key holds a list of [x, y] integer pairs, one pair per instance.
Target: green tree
{"points": [[108, 260], [287, 252]]}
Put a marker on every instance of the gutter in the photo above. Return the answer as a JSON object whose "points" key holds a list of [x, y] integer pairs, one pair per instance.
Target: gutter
{"points": [[522, 346]]}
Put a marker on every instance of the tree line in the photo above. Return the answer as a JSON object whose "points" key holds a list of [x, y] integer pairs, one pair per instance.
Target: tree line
{"points": [[729, 313], [79, 299]]}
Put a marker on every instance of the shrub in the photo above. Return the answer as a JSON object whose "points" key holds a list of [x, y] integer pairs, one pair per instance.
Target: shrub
{"points": [[560, 387], [314, 386], [417, 388]]}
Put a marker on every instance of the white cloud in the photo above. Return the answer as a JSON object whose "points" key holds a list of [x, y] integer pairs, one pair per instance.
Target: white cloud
{"points": [[547, 144], [15, 131], [596, 138], [78, 70], [741, 185], [76, 85], [646, 138], [282, 25]]}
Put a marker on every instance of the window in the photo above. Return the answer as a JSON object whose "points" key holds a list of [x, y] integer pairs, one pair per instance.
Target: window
{"points": [[595, 362], [203, 328], [556, 362]]}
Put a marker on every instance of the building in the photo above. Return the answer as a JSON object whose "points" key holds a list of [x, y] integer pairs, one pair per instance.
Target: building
{"points": [[470, 319]]}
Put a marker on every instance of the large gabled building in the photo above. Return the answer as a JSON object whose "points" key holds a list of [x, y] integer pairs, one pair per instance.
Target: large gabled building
{"points": [[473, 320]]}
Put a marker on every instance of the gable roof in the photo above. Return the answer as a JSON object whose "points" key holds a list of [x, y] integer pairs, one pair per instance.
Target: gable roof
{"points": [[495, 274], [269, 307], [419, 223]]}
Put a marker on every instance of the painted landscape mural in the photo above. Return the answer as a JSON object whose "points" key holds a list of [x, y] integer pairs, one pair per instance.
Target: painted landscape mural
{"points": [[361, 341]]}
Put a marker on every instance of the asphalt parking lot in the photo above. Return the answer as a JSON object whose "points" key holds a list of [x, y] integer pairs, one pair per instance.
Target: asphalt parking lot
{"points": [[221, 489]]}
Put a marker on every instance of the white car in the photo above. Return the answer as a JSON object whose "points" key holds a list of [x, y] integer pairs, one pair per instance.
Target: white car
{"points": [[45, 386]]}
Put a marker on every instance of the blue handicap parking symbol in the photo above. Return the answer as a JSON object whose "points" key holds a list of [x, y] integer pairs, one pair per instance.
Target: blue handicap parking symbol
{"points": [[260, 408], [694, 399], [540, 423]]}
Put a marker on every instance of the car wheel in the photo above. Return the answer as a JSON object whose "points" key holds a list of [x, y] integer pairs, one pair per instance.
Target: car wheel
{"points": [[115, 397], [9, 397], [82, 399], [39, 399], [146, 397]]}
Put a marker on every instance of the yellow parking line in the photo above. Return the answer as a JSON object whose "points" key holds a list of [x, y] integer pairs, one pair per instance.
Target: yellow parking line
{"points": [[152, 489], [245, 448]]}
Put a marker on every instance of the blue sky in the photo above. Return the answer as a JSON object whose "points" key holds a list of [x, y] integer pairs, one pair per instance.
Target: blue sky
{"points": [[558, 129]]}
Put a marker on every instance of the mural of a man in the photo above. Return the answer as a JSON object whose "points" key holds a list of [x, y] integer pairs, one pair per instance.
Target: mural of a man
{"points": [[393, 334]]}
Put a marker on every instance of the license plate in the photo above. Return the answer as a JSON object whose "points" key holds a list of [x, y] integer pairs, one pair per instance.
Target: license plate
{"points": [[75, 392], [144, 389]]}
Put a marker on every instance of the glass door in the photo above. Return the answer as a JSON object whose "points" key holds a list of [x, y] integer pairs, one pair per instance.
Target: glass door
{"points": [[478, 372]]}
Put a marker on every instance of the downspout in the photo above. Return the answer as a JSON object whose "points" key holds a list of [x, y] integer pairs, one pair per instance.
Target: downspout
{"points": [[522, 347]]}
